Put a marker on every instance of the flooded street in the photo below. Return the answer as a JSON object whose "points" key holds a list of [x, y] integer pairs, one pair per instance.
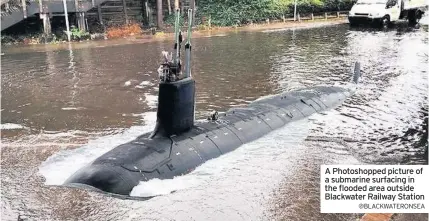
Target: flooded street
{"points": [[61, 109]]}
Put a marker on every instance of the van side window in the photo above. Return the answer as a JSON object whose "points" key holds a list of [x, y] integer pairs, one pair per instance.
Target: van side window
{"points": [[391, 3]]}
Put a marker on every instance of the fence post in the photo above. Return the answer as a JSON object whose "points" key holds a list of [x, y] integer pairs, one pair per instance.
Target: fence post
{"points": [[210, 22], [299, 18], [268, 21], [326, 16], [312, 16], [338, 14], [283, 18]]}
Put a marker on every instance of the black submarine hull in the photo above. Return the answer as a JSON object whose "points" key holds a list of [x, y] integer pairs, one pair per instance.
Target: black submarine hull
{"points": [[163, 157]]}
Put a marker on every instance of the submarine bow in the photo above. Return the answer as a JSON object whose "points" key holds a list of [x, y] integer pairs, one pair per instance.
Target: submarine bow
{"points": [[178, 145]]}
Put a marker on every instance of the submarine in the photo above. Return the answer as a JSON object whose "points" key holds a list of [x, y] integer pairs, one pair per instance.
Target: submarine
{"points": [[179, 144]]}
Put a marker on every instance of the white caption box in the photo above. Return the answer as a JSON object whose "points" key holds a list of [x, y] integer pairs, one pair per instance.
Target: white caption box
{"points": [[374, 189]]}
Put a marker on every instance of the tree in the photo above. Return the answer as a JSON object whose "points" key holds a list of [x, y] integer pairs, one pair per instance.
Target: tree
{"points": [[159, 16], [169, 6]]}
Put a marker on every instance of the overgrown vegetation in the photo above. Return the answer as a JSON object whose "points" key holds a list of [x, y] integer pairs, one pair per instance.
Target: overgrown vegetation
{"points": [[233, 12], [26, 39], [123, 31], [78, 35], [171, 19]]}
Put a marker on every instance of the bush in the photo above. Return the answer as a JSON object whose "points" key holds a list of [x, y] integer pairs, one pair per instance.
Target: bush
{"points": [[228, 13], [237, 12], [171, 19], [123, 31], [77, 34]]}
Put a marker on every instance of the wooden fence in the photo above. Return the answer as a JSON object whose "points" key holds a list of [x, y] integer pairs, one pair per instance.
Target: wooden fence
{"points": [[310, 16]]}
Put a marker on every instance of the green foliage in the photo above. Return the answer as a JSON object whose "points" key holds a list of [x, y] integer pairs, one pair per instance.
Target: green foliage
{"points": [[171, 19], [77, 34], [237, 12], [308, 5], [334, 5]]}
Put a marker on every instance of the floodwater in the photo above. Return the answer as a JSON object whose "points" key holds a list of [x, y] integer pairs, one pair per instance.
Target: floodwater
{"points": [[61, 109]]}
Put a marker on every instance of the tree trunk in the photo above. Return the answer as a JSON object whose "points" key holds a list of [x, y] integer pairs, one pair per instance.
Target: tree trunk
{"points": [[159, 17], [124, 7], [169, 6], [176, 4]]}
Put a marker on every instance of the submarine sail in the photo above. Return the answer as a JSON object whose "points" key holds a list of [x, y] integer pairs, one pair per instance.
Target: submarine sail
{"points": [[178, 144]]}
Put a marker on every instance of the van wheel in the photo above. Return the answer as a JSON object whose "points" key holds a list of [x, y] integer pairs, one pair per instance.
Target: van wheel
{"points": [[419, 15], [385, 21], [352, 24], [412, 17]]}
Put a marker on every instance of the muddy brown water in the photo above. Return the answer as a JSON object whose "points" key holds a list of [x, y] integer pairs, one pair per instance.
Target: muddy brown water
{"points": [[60, 106]]}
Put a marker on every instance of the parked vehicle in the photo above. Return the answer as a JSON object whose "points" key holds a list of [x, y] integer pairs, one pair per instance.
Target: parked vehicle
{"points": [[384, 12]]}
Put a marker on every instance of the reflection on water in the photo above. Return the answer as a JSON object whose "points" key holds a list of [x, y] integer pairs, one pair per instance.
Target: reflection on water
{"points": [[73, 105]]}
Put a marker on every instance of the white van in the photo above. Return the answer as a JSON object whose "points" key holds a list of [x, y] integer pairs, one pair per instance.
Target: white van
{"points": [[383, 12]]}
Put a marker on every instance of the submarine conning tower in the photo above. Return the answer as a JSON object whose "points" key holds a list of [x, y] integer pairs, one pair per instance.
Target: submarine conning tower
{"points": [[176, 97], [175, 107]]}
